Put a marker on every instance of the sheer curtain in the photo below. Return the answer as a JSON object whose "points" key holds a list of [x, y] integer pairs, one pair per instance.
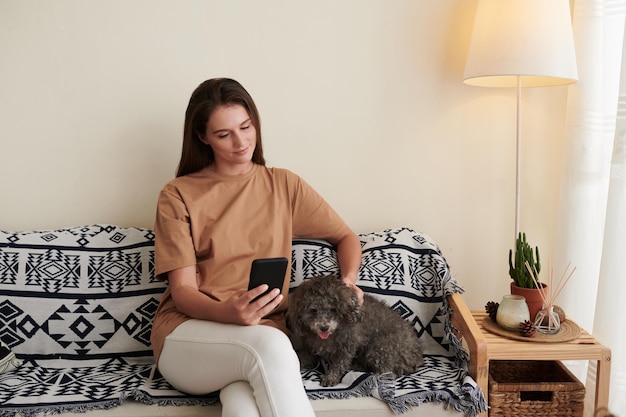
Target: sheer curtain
{"points": [[591, 233]]}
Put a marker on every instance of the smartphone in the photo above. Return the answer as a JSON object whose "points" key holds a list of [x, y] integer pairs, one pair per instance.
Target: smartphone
{"points": [[270, 271]]}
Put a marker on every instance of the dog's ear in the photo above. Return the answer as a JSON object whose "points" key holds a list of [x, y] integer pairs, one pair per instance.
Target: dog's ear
{"points": [[293, 313], [356, 315]]}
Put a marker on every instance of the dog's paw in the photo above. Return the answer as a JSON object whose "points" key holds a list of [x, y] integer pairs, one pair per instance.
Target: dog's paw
{"points": [[330, 380]]}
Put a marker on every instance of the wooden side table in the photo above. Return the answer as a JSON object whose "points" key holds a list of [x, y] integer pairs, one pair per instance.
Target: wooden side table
{"points": [[585, 347]]}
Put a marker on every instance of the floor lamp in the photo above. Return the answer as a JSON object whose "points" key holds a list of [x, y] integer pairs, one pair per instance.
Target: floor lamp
{"points": [[521, 43]]}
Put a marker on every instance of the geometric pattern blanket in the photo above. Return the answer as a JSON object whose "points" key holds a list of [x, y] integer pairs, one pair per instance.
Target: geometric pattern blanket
{"points": [[76, 308]]}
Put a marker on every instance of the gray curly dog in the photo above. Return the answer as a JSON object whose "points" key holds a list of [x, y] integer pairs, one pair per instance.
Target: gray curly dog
{"points": [[326, 317]]}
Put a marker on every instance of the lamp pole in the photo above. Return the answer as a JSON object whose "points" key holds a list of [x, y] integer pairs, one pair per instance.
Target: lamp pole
{"points": [[518, 157]]}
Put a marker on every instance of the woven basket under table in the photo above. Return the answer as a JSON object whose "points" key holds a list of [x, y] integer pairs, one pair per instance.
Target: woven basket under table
{"points": [[534, 388]]}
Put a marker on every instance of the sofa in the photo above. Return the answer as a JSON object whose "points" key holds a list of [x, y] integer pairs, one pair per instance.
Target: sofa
{"points": [[76, 307]]}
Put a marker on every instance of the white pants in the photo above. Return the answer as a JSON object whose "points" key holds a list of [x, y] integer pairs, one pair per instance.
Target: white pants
{"points": [[254, 367]]}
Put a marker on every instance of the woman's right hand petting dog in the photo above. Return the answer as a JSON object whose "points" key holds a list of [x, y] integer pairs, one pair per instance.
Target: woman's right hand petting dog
{"points": [[334, 326]]}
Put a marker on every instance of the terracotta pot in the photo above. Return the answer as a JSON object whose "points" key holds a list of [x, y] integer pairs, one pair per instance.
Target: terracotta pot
{"points": [[532, 296]]}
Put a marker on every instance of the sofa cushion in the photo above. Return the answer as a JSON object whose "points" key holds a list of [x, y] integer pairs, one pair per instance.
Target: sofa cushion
{"points": [[77, 306], [78, 293], [407, 271], [401, 267]]}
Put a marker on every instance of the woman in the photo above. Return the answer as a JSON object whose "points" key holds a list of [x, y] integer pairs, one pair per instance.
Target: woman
{"points": [[224, 209]]}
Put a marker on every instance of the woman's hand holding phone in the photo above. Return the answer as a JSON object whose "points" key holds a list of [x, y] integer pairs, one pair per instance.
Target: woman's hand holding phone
{"points": [[267, 276], [247, 308]]}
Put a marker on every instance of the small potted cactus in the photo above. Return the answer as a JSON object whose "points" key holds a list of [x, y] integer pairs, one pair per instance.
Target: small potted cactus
{"points": [[523, 283], [518, 272]]}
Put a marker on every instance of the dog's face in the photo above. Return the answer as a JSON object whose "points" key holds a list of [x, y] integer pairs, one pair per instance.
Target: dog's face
{"points": [[321, 305]]}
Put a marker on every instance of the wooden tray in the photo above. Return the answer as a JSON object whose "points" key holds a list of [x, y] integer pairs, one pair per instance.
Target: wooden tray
{"points": [[569, 331]]}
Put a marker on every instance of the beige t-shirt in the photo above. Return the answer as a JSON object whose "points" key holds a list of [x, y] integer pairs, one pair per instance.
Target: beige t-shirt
{"points": [[221, 224]]}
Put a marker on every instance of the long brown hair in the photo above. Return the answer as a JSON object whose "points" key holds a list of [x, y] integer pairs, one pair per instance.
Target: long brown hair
{"points": [[204, 100]]}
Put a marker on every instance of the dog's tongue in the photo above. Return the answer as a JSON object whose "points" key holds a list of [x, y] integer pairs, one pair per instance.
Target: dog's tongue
{"points": [[323, 335]]}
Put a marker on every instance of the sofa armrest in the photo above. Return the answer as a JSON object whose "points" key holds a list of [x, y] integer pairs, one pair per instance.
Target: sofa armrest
{"points": [[463, 322]]}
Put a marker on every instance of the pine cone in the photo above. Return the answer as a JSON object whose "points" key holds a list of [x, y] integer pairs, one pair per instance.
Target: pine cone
{"points": [[527, 328], [492, 309]]}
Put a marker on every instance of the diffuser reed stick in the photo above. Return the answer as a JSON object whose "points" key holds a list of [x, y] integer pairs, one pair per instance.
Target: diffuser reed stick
{"points": [[550, 295]]}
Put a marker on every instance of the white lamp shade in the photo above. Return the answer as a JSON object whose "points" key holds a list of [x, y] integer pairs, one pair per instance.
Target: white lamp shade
{"points": [[529, 39]]}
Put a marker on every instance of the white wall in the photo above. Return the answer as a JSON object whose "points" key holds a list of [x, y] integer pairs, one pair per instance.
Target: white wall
{"points": [[363, 99]]}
